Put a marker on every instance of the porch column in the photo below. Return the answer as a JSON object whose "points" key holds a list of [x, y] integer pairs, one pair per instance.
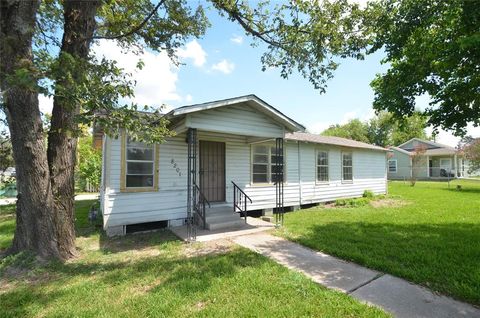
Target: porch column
{"points": [[279, 181], [455, 165], [191, 182]]}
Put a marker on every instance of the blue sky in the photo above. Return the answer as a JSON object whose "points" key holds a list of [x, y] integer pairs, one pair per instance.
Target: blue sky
{"points": [[222, 64]]}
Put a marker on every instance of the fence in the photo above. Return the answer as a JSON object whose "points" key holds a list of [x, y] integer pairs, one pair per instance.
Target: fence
{"points": [[90, 188]]}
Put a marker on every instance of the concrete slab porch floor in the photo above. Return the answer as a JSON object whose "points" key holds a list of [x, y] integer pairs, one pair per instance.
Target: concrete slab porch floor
{"points": [[253, 225], [395, 295]]}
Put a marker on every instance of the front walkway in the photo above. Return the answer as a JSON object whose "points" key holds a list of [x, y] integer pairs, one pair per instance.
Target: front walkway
{"points": [[395, 295]]}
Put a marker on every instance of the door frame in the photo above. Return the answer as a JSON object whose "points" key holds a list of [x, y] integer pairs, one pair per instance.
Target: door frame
{"points": [[201, 174]]}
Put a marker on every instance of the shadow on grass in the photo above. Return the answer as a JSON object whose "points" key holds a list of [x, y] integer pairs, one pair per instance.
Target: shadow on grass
{"points": [[444, 257], [175, 276]]}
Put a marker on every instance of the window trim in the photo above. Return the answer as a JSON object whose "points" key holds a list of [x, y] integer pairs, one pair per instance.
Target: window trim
{"points": [[123, 168], [269, 165], [317, 151], [396, 166], [342, 166]]}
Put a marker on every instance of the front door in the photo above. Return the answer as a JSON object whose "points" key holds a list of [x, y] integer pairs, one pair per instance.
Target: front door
{"points": [[212, 170]]}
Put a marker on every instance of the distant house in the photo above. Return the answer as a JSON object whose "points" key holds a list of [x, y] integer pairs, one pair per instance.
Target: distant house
{"points": [[239, 154], [439, 161]]}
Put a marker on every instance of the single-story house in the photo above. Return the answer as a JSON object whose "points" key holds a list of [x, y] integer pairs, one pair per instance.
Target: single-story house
{"points": [[435, 161], [239, 154]]}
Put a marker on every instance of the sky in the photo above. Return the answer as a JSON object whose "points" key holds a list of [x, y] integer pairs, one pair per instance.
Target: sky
{"points": [[222, 64]]}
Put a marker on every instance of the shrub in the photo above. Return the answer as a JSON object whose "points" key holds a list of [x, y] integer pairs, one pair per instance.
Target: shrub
{"points": [[350, 203], [368, 194]]}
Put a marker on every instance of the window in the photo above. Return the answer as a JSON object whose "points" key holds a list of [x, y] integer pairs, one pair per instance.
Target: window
{"points": [[322, 166], [263, 164], [347, 166], [392, 166], [138, 166]]}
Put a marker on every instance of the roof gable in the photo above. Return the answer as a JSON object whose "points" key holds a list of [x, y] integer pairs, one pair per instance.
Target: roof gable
{"points": [[251, 100], [412, 143]]}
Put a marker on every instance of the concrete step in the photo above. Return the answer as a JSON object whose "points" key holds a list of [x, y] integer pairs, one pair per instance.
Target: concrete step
{"points": [[227, 224], [216, 218]]}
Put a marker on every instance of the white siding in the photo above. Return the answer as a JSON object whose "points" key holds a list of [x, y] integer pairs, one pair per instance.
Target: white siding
{"points": [[169, 202], [238, 119]]}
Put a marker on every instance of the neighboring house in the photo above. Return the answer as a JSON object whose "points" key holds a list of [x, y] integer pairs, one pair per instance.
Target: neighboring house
{"points": [[229, 152], [438, 161]]}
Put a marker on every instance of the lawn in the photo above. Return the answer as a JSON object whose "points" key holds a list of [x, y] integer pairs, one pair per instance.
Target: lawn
{"points": [[428, 234], [157, 275]]}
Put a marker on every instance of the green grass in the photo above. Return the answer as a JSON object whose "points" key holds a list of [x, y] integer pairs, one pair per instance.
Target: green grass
{"points": [[428, 234], [156, 275]]}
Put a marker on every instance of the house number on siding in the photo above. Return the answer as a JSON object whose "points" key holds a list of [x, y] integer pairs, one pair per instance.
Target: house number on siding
{"points": [[175, 166]]}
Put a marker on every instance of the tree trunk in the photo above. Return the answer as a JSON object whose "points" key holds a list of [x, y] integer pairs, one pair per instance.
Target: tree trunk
{"points": [[79, 25], [35, 221]]}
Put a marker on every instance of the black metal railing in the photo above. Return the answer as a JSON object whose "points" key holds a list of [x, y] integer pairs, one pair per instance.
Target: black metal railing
{"points": [[240, 201], [199, 206]]}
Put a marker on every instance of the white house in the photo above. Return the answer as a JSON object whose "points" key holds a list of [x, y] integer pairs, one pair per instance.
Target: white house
{"points": [[239, 151]]}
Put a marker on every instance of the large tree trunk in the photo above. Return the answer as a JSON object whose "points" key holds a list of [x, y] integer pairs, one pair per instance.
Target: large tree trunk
{"points": [[79, 25], [35, 230]]}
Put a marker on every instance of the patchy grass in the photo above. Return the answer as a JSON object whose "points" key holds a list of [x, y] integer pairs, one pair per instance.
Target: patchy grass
{"points": [[428, 234], [155, 275]]}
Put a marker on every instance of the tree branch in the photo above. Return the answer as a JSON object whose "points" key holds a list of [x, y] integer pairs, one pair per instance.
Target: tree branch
{"points": [[135, 29]]}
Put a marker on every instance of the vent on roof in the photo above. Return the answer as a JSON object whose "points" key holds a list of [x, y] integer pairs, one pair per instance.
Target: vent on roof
{"points": [[143, 227]]}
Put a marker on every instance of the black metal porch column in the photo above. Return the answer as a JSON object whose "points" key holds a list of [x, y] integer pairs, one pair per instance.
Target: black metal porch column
{"points": [[279, 181], [191, 182]]}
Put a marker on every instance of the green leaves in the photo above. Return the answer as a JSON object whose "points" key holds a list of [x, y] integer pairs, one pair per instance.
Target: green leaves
{"points": [[432, 48]]}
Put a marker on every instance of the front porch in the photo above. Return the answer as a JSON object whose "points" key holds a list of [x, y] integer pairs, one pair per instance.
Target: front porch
{"points": [[443, 167]]}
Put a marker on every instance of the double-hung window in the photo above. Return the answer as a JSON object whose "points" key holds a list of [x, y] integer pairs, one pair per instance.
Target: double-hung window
{"points": [[140, 165], [322, 166], [264, 168], [347, 166], [392, 166]]}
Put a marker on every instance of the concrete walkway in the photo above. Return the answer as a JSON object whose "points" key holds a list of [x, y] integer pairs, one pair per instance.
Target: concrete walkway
{"points": [[395, 295]]}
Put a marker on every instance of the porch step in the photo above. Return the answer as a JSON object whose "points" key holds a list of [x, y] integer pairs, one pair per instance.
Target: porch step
{"points": [[221, 216]]}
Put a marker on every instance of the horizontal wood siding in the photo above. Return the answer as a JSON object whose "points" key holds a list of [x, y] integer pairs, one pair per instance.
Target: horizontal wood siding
{"points": [[238, 119], [169, 202], [403, 165]]}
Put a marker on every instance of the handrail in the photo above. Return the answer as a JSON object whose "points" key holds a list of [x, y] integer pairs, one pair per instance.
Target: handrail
{"points": [[237, 200], [200, 193], [236, 186], [199, 204]]}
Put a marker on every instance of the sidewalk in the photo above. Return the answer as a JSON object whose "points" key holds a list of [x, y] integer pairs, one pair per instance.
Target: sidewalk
{"points": [[395, 295]]}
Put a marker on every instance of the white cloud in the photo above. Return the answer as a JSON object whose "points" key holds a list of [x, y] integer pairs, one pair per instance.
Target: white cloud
{"points": [[188, 98], [157, 81], [348, 116], [317, 127], [237, 39], [447, 138], [224, 66], [45, 103], [194, 51]]}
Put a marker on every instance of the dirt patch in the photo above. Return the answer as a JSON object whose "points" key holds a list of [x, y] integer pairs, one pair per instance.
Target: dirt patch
{"points": [[208, 248], [388, 203]]}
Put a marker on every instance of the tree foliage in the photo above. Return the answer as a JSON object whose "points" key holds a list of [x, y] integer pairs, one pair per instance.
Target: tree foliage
{"points": [[89, 163], [382, 130], [470, 147], [354, 129], [432, 48]]}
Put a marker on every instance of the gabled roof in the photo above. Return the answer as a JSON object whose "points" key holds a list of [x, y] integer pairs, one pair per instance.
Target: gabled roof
{"points": [[330, 140], [400, 150], [428, 142], [251, 100]]}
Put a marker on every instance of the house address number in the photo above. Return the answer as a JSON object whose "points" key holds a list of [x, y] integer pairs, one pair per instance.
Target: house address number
{"points": [[176, 167]]}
